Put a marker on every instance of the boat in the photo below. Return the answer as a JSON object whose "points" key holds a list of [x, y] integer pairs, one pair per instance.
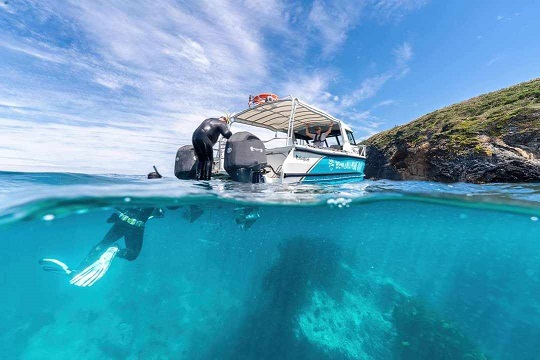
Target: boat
{"points": [[246, 158]]}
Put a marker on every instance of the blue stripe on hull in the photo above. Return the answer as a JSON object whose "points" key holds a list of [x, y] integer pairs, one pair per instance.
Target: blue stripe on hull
{"points": [[337, 169], [334, 179]]}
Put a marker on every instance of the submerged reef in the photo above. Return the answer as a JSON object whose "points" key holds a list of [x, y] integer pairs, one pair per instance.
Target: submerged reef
{"points": [[313, 305], [423, 334], [492, 302], [308, 302], [142, 317], [270, 329], [352, 328]]}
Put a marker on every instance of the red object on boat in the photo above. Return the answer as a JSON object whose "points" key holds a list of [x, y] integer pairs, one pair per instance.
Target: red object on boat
{"points": [[262, 98]]}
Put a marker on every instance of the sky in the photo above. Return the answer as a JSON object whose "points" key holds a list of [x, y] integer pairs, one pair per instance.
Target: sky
{"points": [[105, 87]]}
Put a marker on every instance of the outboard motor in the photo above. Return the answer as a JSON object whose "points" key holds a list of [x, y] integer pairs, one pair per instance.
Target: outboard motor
{"points": [[185, 164], [245, 157]]}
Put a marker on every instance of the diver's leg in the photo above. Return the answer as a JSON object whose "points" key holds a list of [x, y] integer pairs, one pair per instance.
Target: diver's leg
{"points": [[54, 265], [202, 155], [95, 271], [99, 259], [134, 241], [115, 233], [198, 146], [209, 152]]}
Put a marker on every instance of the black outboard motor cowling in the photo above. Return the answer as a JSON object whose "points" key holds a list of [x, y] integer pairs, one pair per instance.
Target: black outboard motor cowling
{"points": [[245, 157], [185, 164]]}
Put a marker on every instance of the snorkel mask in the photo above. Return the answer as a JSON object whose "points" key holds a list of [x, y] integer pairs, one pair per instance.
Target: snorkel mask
{"points": [[155, 174]]}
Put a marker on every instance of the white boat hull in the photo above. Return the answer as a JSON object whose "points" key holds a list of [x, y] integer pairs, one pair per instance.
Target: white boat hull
{"points": [[307, 164]]}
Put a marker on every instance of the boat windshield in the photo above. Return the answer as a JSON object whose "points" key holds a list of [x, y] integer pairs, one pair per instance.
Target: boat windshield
{"points": [[334, 141], [350, 136]]}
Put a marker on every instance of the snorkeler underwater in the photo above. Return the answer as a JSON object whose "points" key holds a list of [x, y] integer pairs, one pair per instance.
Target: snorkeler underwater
{"points": [[318, 180]]}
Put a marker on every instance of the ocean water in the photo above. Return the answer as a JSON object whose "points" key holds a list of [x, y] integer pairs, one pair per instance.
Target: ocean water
{"points": [[372, 270]]}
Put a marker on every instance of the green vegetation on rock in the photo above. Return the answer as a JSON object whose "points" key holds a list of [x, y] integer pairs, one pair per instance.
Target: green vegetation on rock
{"points": [[492, 137], [491, 114]]}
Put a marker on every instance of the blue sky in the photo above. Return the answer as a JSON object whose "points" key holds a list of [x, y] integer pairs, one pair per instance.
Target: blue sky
{"points": [[117, 86]]}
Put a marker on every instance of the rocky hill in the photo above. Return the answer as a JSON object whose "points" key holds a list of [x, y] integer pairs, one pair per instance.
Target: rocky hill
{"points": [[490, 138]]}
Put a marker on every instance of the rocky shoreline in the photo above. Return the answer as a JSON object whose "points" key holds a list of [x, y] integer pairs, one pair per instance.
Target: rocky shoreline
{"points": [[491, 138]]}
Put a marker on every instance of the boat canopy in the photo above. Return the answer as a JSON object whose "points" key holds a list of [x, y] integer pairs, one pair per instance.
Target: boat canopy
{"points": [[284, 115]]}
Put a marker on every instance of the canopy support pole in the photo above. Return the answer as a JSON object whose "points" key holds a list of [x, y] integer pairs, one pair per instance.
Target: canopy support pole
{"points": [[290, 132]]}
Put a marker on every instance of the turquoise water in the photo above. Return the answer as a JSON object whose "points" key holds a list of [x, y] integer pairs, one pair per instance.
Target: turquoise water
{"points": [[374, 270]]}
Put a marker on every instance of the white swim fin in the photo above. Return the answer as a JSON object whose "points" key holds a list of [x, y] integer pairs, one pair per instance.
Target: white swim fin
{"points": [[95, 271], [55, 266]]}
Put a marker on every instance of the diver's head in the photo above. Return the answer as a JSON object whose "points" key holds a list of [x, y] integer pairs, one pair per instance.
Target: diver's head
{"points": [[154, 174], [226, 119], [318, 129]]}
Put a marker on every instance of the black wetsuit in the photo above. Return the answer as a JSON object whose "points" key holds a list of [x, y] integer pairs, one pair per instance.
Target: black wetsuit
{"points": [[128, 223], [204, 138]]}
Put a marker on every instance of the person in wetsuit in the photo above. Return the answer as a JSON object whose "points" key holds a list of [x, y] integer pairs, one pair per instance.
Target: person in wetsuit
{"points": [[128, 223], [204, 139]]}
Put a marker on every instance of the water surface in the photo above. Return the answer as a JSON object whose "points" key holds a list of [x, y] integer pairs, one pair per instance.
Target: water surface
{"points": [[372, 270]]}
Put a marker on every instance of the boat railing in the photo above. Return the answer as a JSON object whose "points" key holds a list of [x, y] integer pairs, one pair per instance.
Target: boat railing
{"points": [[275, 138], [362, 150], [219, 155]]}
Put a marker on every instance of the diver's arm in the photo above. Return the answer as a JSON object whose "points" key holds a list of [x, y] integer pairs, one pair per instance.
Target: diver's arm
{"points": [[308, 133], [224, 130], [327, 132]]}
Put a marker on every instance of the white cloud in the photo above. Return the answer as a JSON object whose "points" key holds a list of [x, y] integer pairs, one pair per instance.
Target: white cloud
{"points": [[134, 77], [109, 81], [190, 50], [367, 89], [120, 148], [403, 53], [384, 103], [395, 9], [492, 61], [333, 20], [370, 86], [312, 87]]}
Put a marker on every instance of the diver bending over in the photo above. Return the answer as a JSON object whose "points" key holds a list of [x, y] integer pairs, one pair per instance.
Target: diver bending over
{"points": [[204, 139], [127, 223]]}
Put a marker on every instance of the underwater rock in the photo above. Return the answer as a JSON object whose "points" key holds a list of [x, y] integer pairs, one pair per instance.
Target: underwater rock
{"points": [[353, 327], [492, 300], [383, 292], [311, 305], [270, 329], [194, 212], [247, 216], [70, 338], [116, 341], [423, 334], [152, 316], [16, 338]]}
